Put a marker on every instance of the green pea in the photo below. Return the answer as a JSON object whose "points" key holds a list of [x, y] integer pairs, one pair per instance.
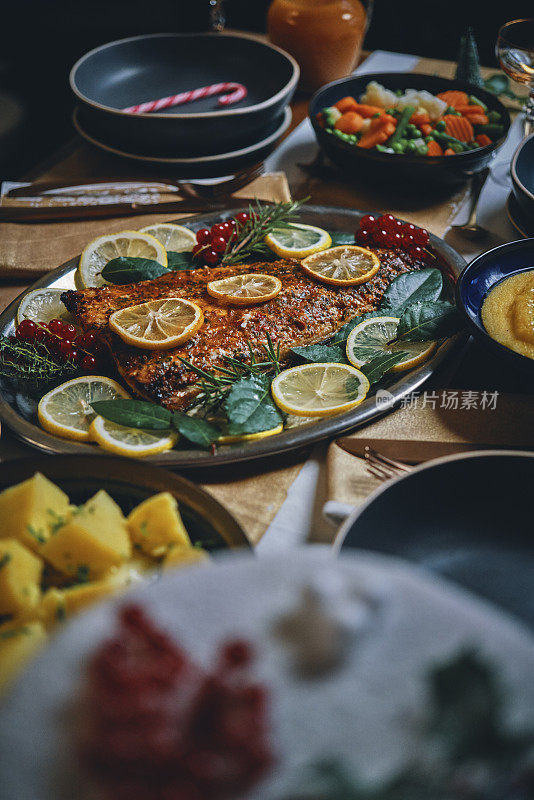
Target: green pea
{"points": [[411, 147], [398, 147], [441, 125]]}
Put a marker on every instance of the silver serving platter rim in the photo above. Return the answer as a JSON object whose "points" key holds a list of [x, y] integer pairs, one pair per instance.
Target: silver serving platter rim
{"points": [[330, 217]]}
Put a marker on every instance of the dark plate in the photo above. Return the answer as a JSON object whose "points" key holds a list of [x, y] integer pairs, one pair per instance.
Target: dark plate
{"points": [[18, 410], [467, 517], [81, 476], [392, 166], [479, 277], [131, 71], [522, 172], [205, 166], [518, 218]]}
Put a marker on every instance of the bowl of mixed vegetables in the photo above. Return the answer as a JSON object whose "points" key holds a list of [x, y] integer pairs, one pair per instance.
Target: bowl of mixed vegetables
{"points": [[408, 126]]}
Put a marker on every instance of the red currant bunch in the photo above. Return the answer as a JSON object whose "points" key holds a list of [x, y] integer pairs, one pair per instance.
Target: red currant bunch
{"points": [[388, 231], [213, 242], [61, 340]]}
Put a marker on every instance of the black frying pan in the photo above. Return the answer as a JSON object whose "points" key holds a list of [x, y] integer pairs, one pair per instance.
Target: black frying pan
{"points": [[467, 517], [142, 68]]}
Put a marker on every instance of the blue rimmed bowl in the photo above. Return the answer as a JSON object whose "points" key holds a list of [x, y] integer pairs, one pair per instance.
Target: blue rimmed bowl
{"points": [[522, 172], [479, 277]]}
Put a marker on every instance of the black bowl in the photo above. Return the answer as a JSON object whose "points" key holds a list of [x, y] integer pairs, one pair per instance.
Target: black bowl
{"points": [[479, 277], [466, 517], [131, 71], [393, 166], [522, 172]]}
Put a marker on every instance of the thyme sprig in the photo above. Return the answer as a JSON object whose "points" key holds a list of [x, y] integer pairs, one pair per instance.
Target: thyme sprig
{"points": [[27, 361], [214, 385], [263, 219]]}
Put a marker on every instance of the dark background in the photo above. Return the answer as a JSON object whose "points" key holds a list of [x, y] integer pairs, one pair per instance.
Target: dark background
{"points": [[41, 39]]}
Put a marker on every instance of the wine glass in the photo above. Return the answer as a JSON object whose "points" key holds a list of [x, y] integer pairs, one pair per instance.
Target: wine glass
{"points": [[217, 17], [515, 52]]}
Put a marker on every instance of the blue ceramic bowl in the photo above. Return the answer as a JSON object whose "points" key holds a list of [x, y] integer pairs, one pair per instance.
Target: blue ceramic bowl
{"points": [[394, 168], [480, 276], [522, 172]]}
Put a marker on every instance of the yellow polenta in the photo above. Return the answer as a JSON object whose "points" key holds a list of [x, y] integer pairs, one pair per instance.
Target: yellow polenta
{"points": [[508, 313]]}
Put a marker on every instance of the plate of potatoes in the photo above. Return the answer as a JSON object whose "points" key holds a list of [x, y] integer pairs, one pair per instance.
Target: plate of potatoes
{"points": [[77, 529]]}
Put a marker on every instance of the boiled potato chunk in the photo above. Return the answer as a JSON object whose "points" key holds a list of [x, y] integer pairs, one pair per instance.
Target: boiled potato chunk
{"points": [[94, 539], [31, 509], [20, 577], [18, 643], [180, 556], [156, 524]]}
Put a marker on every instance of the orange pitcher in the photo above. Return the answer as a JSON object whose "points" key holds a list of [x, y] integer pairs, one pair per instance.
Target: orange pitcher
{"points": [[325, 36]]}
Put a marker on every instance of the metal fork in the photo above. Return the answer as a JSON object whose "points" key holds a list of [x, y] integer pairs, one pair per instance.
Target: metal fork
{"points": [[382, 467]]}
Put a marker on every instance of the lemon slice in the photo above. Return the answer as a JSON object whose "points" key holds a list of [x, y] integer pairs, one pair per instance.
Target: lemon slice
{"points": [[132, 442], [104, 248], [66, 410], [318, 390], [298, 241], [42, 305], [346, 265], [158, 324], [172, 237], [370, 339], [245, 289], [249, 437]]}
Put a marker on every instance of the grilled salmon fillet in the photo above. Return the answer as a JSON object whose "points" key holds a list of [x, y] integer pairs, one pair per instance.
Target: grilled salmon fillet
{"points": [[304, 312]]}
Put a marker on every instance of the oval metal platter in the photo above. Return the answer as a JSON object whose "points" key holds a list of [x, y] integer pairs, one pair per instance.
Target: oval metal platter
{"points": [[18, 411]]}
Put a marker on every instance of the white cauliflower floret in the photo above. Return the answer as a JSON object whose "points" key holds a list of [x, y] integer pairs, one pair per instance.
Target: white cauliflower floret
{"points": [[422, 99], [377, 95]]}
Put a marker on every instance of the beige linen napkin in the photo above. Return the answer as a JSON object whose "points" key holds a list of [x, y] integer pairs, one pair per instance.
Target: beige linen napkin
{"points": [[31, 249], [506, 420]]}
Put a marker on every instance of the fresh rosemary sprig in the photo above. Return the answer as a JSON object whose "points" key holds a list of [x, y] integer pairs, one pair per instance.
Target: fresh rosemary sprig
{"points": [[263, 219], [214, 385], [26, 361]]}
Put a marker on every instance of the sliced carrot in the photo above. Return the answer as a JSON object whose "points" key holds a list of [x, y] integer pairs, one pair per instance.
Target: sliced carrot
{"points": [[459, 127], [449, 152], [482, 139], [378, 122], [426, 130], [477, 119], [379, 135], [454, 98], [367, 111], [346, 104], [466, 111], [349, 122], [434, 149], [420, 119]]}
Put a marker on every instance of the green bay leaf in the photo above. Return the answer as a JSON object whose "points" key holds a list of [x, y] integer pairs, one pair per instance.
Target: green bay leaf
{"points": [[249, 406], [128, 269], [321, 353], [195, 429], [134, 414], [412, 287], [376, 368], [180, 261], [422, 322]]}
